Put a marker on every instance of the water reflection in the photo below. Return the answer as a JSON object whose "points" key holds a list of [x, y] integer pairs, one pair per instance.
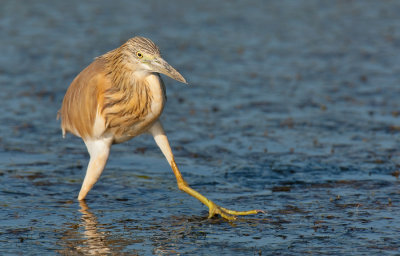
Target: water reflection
{"points": [[89, 237], [96, 240], [159, 236]]}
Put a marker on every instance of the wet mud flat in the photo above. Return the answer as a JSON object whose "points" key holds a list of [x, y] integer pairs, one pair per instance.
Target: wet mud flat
{"points": [[292, 108]]}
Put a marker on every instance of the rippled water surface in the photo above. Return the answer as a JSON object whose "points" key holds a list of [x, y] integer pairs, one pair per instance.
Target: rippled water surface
{"points": [[293, 107]]}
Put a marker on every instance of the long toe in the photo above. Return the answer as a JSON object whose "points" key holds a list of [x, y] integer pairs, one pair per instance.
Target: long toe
{"points": [[228, 214]]}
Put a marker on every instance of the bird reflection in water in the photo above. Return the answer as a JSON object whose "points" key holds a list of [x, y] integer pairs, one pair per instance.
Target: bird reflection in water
{"points": [[89, 237], [96, 243], [158, 236]]}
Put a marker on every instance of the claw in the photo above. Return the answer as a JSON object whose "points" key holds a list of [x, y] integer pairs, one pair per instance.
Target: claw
{"points": [[228, 214]]}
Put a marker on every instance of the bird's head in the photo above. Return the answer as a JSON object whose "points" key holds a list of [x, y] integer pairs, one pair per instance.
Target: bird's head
{"points": [[146, 57]]}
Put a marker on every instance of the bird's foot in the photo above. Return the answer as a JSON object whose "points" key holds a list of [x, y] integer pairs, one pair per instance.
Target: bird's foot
{"points": [[214, 209], [226, 213]]}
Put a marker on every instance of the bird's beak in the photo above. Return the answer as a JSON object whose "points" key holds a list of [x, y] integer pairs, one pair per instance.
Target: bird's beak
{"points": [[159, 65]]}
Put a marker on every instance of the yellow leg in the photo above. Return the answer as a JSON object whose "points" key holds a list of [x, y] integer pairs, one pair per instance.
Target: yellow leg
{"points": [[213, 208], [161, 139]]}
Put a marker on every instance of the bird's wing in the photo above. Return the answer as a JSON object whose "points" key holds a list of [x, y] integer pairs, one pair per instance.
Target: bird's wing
{"points": [[79, 108]]}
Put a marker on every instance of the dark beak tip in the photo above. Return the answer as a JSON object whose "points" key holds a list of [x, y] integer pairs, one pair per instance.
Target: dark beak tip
{"points": [[181, 79]]}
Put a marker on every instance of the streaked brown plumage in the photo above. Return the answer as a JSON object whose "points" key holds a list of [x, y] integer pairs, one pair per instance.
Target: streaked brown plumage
{"points": [[108, 82], [120, 95]]}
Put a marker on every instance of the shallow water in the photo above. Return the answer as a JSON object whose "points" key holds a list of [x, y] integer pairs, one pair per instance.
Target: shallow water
{"points": [[292, 108]]}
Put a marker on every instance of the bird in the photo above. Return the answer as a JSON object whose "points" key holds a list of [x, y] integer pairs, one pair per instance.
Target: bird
{"points": [[117, 97]]}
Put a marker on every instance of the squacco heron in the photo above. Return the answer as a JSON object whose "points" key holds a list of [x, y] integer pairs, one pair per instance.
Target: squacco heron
{"points": [[120, 95]]}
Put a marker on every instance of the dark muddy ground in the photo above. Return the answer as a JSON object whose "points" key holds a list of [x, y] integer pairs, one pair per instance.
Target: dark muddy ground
{"points": [[293, 107]]}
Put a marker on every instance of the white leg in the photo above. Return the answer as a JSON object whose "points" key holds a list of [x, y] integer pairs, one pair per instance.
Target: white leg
{"points": [[98, 151], [162, 141]]}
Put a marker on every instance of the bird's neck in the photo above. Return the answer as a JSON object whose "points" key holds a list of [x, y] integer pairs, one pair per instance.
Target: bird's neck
{"points": [[121, 72], [128, 98]]}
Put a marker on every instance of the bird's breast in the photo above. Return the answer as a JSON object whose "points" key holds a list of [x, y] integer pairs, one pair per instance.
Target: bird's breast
{"points": [[157, 91], [132, 111]]}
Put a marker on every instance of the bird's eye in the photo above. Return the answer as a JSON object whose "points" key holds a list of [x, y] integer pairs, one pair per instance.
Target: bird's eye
{"points": [[139, 55]]}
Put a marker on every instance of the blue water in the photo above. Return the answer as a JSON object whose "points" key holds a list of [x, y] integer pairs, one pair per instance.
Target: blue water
{"points": [[292, 108]]}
